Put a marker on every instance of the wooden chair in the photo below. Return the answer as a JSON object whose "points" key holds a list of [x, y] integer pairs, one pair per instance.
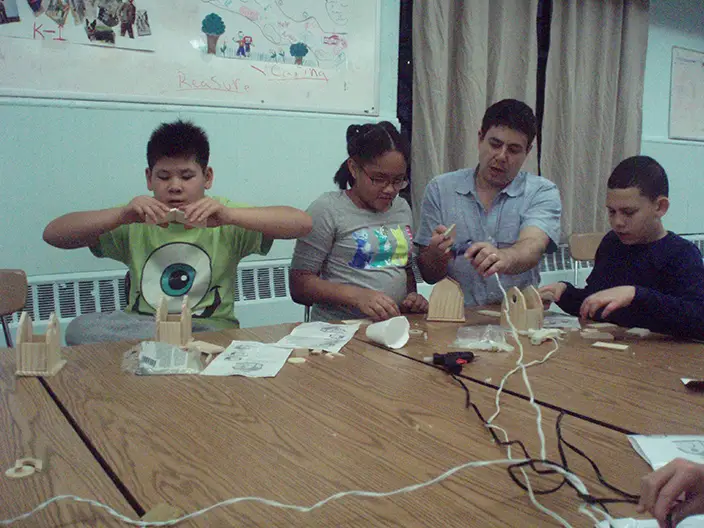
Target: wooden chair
{"points": [[13, 294], [583, 247]]}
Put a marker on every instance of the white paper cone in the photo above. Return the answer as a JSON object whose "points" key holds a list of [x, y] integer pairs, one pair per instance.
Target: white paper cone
{"points": [[392, 333]]}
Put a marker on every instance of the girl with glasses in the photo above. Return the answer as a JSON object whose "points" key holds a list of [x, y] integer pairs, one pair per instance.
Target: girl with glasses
{"points": [[356, 263]]}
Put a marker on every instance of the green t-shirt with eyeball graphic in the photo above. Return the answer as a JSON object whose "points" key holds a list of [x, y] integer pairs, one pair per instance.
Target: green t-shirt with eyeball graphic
{"points": [[176, 260]]}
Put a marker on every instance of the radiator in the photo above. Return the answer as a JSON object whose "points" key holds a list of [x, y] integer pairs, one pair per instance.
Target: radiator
{"points": [[261, 292]]}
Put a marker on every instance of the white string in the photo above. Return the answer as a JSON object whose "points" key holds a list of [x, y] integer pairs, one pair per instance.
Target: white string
{"points": [[304, 509], [267, 502], [523, 367]]}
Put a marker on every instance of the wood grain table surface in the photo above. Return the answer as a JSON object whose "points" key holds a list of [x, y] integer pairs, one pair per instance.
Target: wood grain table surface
{"points": [[370, 420], [637, 390], [32, 425]]}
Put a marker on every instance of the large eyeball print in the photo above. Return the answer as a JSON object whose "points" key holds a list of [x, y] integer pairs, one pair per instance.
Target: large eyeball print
{"points": [[175, 270]]}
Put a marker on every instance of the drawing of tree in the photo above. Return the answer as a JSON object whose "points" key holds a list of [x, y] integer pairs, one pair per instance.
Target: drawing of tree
{"points": [[298, 51], [213, 27]]}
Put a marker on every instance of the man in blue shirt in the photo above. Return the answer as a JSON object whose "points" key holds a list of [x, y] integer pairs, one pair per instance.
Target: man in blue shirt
{"points": [[643, 276], [505, 218]]}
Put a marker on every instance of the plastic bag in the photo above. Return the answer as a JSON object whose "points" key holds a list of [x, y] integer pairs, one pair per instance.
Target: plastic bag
{"points": [[491, 338], [151, 358]]}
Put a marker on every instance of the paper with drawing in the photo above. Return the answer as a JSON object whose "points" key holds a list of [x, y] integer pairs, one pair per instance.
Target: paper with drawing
{"points": [[250, 359], [323, 336]]}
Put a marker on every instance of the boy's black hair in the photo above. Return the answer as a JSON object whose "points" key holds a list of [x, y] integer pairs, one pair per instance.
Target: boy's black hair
{"points": [[512, 114], [180, 139], [642, 172], [367, 142]]}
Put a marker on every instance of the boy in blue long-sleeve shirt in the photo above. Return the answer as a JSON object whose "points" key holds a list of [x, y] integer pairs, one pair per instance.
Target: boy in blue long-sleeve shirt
{"points": [[643, 276]]}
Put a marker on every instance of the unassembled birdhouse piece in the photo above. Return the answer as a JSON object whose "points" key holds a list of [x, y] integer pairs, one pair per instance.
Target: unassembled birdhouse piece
{"points": [[446, 302], [36, 354], [525, 309], [174, 329]]}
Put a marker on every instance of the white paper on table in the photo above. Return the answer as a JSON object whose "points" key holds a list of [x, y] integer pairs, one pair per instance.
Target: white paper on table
{"points": [[658, 450], [248, 358], [690, 522], [324, 336], [556, 320]]}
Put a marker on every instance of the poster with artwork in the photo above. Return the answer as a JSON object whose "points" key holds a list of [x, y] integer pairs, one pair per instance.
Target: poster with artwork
{"points": [[9, 12], [273, 32], [112, 23], [306, 55]]}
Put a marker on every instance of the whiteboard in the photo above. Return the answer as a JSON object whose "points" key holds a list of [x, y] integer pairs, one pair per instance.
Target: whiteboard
{"points": [[308, 55], [687, 95]]}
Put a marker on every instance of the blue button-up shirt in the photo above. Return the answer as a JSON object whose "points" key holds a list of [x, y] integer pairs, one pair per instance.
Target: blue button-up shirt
{"points": [[451, 198]]}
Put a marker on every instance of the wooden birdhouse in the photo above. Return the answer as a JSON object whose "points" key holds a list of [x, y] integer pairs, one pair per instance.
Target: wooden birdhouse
{"points": [[525, 309], [36, 354], [174, 329], [446, 302]]}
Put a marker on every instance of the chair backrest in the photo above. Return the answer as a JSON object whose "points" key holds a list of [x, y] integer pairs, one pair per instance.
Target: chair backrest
{"points": [[583, 246], [13, 291]]}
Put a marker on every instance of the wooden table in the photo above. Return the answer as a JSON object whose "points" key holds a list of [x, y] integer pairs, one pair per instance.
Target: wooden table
{"points": [[31, 425], [637, 390], [370, 420]]}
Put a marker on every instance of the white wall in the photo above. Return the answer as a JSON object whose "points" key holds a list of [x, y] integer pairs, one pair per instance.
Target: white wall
{"points": [[673, 23], [60, 156]]}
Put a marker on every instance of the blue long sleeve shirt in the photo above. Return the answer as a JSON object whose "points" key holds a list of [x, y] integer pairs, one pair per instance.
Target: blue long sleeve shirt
{"points": [[668, 276]]}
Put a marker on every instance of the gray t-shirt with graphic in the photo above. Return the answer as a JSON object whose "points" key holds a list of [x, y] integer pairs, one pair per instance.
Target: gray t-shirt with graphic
{"points": [[349, 245]]}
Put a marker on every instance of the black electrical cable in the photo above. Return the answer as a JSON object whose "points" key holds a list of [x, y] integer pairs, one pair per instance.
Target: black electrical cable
{"points": [[532, 462]]}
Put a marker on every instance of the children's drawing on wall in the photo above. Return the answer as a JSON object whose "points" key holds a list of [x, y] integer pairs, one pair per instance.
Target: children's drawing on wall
{"points": [[99, 34], [57, 10], [244, 45], [9, 12], [36, 7], [115, 23], [142, 23], [298, 51], [311, 34], [213, 27], [128, 16], [78, 11]]}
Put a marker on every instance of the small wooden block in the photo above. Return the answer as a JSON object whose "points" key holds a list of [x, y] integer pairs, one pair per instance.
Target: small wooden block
{"points": [[316, 352], [489, 313], [297, 360], [596, 335], [601, 325], [612, 346], [163, 512], [19, 472], [36, 463], [205, 348], [415, 332], [301, 352], [357, 321], [640, 332]]}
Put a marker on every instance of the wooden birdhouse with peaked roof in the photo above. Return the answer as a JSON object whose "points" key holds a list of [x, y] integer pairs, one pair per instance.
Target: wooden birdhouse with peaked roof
{"points": [[446, 302]]}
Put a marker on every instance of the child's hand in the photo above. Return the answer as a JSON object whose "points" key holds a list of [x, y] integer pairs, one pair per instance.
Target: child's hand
{"points": [[206, 210], [144, 209], [414, 303], [376, 305], [552, 293], [611, 299]]}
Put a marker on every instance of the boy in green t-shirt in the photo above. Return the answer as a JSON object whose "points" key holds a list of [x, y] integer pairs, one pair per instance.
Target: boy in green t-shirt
{"points": [[173, 259]]}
